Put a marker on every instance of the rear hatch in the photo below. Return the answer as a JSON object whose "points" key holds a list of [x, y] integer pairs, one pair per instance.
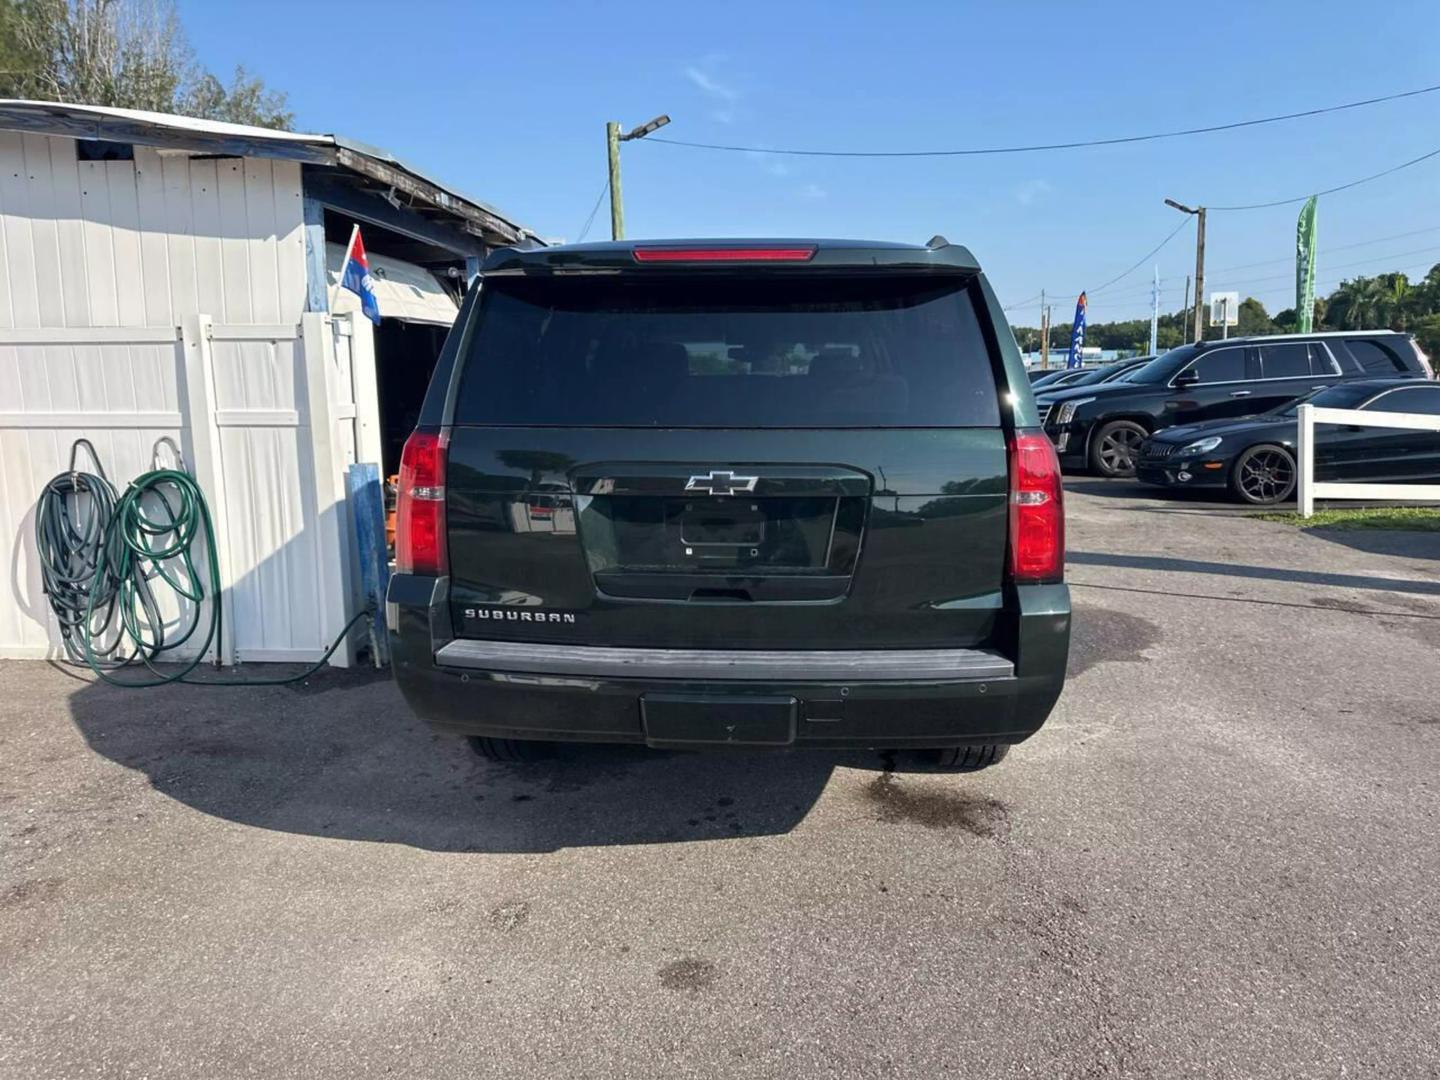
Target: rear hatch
{"points": [[757, 459]]}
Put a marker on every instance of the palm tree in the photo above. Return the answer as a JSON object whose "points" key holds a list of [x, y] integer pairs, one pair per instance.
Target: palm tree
{"points": [[1394, 302]]}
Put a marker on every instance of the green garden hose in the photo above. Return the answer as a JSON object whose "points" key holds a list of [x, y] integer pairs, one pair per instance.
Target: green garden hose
{"points": [[103, 560]]}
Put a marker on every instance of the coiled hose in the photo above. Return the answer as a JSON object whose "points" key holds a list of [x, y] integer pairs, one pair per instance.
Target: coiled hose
{"points": [[103, 558], [74, 510]]}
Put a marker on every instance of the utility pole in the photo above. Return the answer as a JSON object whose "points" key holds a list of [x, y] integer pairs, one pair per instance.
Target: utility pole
{"points": [[1044, 336], [1185, 308], [613, 139], [1200, 274], [1155, 311], [1199, 212], [617, 206]]}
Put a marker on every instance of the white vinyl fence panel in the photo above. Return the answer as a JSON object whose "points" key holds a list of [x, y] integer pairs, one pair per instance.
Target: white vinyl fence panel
{"points": [[266, 418], [1310, 489]]}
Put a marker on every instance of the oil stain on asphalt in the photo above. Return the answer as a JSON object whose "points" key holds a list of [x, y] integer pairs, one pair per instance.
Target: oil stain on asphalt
{"points": [[509, 916], [688, 973], [1100, 636], [978, 815]]}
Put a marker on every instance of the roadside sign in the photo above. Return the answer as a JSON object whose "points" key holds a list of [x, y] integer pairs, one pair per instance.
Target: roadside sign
{"points": [[1224, 309]]}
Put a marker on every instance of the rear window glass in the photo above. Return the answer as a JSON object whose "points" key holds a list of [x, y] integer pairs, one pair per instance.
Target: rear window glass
{"points": [[707, 351], [1375, 358], [1288, 361]]}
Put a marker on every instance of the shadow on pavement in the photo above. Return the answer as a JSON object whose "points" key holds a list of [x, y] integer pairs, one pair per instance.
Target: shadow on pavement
{"points": [[341, 756], [1400, 543], [1240, 570], [1191, 498]]}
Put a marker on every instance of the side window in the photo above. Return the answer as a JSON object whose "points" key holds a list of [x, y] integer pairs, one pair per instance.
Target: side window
{"points": [[1375, 358], [1422, 400], [1222, 365], [1288, 361], [1321, 362]]}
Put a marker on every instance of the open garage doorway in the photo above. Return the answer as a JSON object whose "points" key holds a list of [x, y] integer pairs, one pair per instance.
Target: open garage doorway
{"points": [[405, 356], [417, 308]]}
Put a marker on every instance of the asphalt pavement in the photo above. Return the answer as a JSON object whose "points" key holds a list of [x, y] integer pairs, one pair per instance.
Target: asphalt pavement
{"points": [[1219, 858]]}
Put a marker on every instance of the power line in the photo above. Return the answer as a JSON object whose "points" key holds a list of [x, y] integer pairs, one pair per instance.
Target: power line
{"points": [[977, 151], [1144, 258], [1342, 266], [1023, 303], [1119, 277], [1327, 284], [1282, 202], [1331, 250], [1333, 284], [1331, 191], [594, 210], [1135, 291]]}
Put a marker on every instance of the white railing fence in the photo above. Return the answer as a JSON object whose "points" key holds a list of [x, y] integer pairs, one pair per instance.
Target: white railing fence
{"points": [[1309, 489]]}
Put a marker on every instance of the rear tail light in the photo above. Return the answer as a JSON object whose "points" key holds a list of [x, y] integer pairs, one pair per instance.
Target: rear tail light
{"points": [[420, 506], [1037, 511], [736, 254]]}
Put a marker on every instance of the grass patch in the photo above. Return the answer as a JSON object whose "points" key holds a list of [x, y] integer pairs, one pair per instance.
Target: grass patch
{"points": [[1411, 518]]}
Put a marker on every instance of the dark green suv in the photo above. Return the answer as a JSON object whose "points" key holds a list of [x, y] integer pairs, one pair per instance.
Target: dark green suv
{"points": [[731, 493]]}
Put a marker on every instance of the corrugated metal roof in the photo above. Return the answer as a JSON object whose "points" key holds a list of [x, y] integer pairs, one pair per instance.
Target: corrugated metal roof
{"points": [[168, 130]]}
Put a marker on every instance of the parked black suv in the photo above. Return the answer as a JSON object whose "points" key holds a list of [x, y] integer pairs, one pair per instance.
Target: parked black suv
{"points": [[788, 493], [1101, 427]]}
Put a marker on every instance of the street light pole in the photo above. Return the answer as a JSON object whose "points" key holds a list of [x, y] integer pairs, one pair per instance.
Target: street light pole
{"points": [[1199, 213], [617, 208], [613, 139]]}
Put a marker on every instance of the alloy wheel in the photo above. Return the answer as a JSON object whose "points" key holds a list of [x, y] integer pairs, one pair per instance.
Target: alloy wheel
{"points": [[1266, 476], [1119, 448]]}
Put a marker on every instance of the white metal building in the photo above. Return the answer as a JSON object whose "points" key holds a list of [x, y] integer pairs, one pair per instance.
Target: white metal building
{"points": [[162, 276]]}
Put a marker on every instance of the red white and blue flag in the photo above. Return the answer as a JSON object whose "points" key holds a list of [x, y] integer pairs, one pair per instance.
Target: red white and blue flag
{"points": [[355, 276]]}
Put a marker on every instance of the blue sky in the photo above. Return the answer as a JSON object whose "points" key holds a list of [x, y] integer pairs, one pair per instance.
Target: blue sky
{"points": [[508, 102]]}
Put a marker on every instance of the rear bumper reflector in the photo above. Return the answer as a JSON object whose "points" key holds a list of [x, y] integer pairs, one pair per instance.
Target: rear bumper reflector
{"points": [[726, 665]]}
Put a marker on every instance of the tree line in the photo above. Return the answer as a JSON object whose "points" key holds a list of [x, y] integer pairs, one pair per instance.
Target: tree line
{"points": [[129, 54], [1389, 300]]}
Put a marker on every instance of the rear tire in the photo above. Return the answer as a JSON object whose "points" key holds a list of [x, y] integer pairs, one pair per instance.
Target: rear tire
{"points": [[510, 751], [971, 758], [1263, 475], [1114, 448]]}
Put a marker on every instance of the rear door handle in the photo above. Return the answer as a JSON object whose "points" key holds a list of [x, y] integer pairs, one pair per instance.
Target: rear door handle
{"points": [[1239, 393]]}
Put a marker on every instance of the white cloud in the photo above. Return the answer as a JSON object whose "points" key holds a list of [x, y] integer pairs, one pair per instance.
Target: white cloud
{"points": [[711, 85], [813, 191], [771, 163], [1031, 191]]}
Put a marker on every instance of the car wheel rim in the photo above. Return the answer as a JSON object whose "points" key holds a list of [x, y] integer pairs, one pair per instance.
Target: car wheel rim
{"points": [[1117, 449], [1267, 476]]}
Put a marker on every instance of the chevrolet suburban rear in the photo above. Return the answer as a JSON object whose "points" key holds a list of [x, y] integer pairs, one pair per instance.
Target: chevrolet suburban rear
{"points": [[731, 493]]}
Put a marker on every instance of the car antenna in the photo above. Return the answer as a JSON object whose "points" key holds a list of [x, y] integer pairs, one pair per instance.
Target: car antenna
{"points": [[937, 241]]}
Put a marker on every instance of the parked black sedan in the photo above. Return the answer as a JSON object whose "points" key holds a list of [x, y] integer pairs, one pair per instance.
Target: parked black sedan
{"points": [[1254, 456]]}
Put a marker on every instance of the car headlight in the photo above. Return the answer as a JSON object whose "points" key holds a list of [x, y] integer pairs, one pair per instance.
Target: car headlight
{"points": [[1067, 410], [1200, 446]]}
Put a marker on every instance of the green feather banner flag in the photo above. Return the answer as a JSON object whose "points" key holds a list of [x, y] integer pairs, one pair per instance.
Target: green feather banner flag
{"points": [[1305, 268]]}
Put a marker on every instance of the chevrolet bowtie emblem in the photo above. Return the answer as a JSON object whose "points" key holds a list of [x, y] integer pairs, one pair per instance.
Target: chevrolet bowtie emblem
{"points": [[722, 482]]}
